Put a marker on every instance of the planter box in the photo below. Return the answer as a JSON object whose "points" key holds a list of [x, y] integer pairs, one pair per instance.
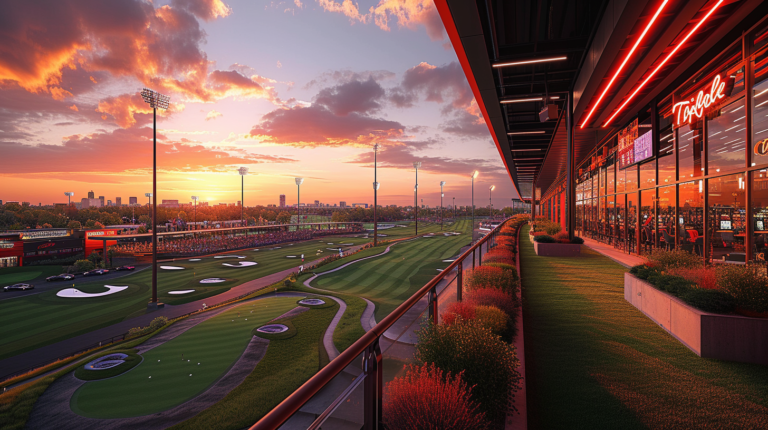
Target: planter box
{"points": [[724, 337], [557, 249]]}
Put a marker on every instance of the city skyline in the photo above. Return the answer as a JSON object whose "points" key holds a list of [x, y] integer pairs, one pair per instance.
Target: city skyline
{"points": [[293, 108]]}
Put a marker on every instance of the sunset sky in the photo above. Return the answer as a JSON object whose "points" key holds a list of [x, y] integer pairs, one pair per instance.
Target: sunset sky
{"points": [[286, 88]]}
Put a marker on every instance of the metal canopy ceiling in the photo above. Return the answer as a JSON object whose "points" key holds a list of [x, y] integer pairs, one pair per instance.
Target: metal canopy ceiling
{"points": [[594, 36]]}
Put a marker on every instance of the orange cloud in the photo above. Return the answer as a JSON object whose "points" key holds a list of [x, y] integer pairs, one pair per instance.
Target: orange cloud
{"points": [[407, 13], [213, 115], [125, 107], [74, 108]]}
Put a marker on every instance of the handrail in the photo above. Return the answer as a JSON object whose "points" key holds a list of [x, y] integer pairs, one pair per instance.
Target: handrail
{"points": [[291, 404]]}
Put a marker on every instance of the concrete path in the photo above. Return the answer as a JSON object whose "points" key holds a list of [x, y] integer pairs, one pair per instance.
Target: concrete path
{"points": [[619, 256], [50, 353]]}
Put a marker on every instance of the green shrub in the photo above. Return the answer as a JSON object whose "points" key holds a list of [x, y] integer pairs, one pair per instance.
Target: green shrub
{"points": [[577, 240], [155, 324], [666, 260], [490, 277], [84, 265], [675, 285], [544, 238], [746, 285], [709, 300], [492, 318], [489, 364]]}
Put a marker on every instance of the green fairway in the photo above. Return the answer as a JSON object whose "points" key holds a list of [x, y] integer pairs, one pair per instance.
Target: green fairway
{"points": [[594, 361], [164, 379], [12, 275], [33, 321], [398, 232], [390, 279]]}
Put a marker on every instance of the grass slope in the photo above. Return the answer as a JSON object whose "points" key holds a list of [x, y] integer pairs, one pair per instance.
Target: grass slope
{"points": [[390, 279], [287, 364], [33, 321], [594, 361], [12, 275], [215, 343]]}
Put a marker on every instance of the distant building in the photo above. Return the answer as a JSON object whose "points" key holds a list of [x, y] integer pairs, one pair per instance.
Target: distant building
{"points": [[118, 201], [133, 200], [239, 203], [90, 203], [271, 205], [169, 204], [282, 200], [360, 205], [317, 203], [90, 194], [102, 200], [109, 202], [342, 205]]}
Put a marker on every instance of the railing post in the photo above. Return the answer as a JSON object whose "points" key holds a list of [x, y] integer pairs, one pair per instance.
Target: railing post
{"points": [[372, 387], [459, 276], [473, 259], [432, 305]]}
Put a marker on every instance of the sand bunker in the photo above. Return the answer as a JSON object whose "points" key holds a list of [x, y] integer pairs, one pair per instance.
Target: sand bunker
{"points": [[272, 328], [240, 264], [177, 292], [172, 268], [290, 256], [212, 280], [229, 256], [74, 293], [312, 302], [107, 361], [194, 259]]}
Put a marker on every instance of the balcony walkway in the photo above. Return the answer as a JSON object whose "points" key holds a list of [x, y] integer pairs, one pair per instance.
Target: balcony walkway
{"points": [[594, 361]]}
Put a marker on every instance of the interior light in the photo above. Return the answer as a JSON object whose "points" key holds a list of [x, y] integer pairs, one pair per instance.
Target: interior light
{"points": [[515, 133], [533, 61], [663, 62]]}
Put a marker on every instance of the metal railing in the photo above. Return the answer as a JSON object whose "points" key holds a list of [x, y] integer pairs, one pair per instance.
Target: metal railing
{"points": [[369, 346]]}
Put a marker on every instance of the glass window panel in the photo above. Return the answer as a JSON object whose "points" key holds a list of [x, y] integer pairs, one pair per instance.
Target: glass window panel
{"points": [[691, 214], [727, 218], [690, 150], [666, 209], [619, 229], [760, 109], [648, 174], [620, 175], [611, 179], [666, 158], [760, 215], [647, 220], [603, 176], [632, 221], [630, 178], [726, 138]]}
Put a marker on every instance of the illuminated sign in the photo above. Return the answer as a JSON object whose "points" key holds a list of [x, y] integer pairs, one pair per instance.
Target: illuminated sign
{"points": [[626, 152], [761, 147], [46, 245], [100, 233], [643, 147], [688, 109], [43, 234], [6, 245]]}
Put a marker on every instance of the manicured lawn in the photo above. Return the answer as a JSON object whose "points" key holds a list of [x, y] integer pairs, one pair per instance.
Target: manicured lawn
{"points": [[12, 275], [36, 320], [287, 365], [594, 361], [390, 279], [163, 379]]}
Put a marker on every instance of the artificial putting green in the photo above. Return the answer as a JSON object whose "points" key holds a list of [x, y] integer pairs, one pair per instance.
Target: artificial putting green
{"points": [[181, 368], [390, 279], [36, 320], [593, 361]]}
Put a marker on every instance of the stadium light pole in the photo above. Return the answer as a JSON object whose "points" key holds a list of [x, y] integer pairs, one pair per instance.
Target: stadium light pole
{"points": [[416, 165], [490, 200], [441, 203], [474, 175], [242, 171], [454, 209], [69, 195], [195, 199], [156, 101], [375, 196], [299, 181]]}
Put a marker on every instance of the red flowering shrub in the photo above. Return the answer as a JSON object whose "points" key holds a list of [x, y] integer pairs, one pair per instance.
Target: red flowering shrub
{"points": [[489, 364], [493, 297], [704, 277], [562, 237], [499, 255], [490, 277], [456, 311], [428, 398]]}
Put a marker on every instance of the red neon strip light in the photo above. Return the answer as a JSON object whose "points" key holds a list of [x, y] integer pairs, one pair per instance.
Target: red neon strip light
{"points": [[682, 42], [624, 63]]}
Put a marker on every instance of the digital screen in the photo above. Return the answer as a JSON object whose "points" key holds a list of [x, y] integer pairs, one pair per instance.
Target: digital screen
{"points": [[759, 226], [643, 147], [725, 225], [626, 151]]}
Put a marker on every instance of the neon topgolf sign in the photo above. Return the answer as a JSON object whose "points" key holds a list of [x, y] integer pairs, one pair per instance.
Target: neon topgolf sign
{"points": [[686, 110]]}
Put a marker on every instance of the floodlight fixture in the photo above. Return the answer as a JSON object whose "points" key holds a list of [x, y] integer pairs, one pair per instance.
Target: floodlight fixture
{"points": [[519, 133], [155, 99], [474, 174], [493, 187], [69, 195], [416, 165], [299, 181], [242, 171]]}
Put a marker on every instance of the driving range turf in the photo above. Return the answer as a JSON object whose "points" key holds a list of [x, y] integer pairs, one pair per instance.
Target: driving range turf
{"points": [[164, 379], [389, 280], [32, 321]]}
